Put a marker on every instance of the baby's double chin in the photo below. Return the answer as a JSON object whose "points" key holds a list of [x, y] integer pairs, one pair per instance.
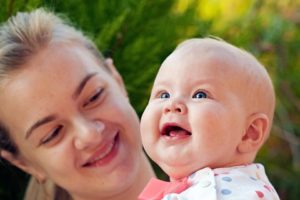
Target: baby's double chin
{"points": [[176, 174]]}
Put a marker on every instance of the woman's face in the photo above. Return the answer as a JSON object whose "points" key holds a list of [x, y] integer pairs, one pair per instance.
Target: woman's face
{"points": [[72, 122]]}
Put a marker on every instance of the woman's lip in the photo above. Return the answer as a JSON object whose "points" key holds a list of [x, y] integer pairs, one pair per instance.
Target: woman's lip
{"points": [[105, 154]]}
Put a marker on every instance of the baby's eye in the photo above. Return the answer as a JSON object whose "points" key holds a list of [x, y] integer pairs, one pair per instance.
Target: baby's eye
{"points": [[164, 95], [55, 133], [200, 95]]}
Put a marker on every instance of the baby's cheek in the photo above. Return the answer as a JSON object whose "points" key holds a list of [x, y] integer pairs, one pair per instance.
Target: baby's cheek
{"points": [[209, 115], [149, 119], [145, 123]]}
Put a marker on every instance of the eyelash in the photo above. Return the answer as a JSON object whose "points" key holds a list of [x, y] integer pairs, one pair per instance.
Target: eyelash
{"points": [[198, 92], [57, 130], [162, 94], [94, 98], [52, 135]]}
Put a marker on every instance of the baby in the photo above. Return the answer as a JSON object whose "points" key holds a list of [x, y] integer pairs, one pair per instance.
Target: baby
{"points": [[211, 109]]}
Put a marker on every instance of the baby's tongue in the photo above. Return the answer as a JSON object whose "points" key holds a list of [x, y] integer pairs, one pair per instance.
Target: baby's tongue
{"points": [[178, 133]]}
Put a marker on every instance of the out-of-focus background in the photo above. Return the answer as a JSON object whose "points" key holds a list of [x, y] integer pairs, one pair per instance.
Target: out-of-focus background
{"points": [[138, 35]]}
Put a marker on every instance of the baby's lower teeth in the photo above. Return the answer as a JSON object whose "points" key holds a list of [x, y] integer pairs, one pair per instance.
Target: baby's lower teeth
{"points": [[180, 132]]}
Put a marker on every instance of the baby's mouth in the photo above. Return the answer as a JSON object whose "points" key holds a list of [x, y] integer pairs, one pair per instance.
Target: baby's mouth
{"points": [[173, 131]]}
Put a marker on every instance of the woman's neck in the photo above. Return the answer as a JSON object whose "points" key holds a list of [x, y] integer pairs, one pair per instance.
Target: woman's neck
{"points": [[145, 173]]}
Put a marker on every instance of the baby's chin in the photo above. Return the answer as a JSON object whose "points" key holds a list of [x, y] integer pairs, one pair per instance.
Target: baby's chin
{"points": [[178, 169], [177, 173]]}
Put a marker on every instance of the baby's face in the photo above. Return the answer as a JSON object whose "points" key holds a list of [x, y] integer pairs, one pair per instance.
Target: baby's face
{"points": [[195, 117]]}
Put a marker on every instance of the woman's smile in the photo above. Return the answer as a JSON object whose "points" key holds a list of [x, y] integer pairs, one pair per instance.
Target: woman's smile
{"points": [[104, 154]]}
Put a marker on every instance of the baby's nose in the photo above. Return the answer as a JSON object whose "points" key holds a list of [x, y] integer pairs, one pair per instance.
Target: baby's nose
{"points": [[175, 106]]}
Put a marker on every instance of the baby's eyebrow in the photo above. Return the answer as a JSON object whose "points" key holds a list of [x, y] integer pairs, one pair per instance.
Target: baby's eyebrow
{"points": [[162, 83]]}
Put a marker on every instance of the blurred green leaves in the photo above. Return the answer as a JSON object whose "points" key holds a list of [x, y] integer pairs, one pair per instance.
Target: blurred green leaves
{"points": [[138, 35]]}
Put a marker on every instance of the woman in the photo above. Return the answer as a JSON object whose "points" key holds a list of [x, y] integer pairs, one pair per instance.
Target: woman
{"points": [[65, 115]]}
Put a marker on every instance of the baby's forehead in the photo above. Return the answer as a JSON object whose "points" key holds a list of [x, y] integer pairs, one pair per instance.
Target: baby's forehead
{"points": [[241, 70], [197, 52], [204, 46], [218, 51], [209, 58]]}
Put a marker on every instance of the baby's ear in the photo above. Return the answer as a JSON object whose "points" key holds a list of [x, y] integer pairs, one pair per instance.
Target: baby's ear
{"points": [[23, 165], [255, 134]]}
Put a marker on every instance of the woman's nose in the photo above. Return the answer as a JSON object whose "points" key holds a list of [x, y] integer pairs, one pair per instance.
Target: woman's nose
{"points": [[175, 106], [88, 134]]}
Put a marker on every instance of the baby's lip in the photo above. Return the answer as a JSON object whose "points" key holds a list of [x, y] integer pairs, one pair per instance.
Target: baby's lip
{"points": [[172, 128]]}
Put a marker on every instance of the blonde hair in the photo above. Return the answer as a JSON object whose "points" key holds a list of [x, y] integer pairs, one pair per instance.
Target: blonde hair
{"points": [[45, 191], [26, 33], [21, 37], [258, 78], [260, 93]]}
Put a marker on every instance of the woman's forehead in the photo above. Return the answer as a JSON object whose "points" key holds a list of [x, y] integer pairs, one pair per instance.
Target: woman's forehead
{"points": [[48, 77]]}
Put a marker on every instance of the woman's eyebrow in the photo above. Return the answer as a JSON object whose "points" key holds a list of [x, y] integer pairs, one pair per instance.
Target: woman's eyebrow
{"points": [[50, 118], [38, 124], [81, 85]]}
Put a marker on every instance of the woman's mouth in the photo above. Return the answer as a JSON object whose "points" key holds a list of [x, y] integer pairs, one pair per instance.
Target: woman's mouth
{"points": [[105, 154]]}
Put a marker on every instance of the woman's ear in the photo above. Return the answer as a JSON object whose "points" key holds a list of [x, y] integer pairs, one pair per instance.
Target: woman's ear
{"points": [[110, 64], [255, 134], [23, 165]]}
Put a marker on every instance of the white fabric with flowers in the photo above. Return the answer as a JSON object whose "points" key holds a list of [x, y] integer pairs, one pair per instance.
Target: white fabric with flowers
{"points": [[235, 183]]}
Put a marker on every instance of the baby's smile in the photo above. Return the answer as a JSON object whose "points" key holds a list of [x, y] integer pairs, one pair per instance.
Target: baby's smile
{"points": [[174, 131]]}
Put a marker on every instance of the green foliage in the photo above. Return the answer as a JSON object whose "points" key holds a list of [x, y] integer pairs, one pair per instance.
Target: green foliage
{"points": [[270, 30], [12, 182], [138, 35]]}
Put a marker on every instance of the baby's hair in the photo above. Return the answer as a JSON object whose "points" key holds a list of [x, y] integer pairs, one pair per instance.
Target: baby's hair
{"points": [[257, 77]]}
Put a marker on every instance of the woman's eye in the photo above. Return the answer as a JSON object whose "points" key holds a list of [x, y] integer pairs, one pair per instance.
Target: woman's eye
{"points": [[52, 135], [164, 95], [200, 95], [94, 98]]}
